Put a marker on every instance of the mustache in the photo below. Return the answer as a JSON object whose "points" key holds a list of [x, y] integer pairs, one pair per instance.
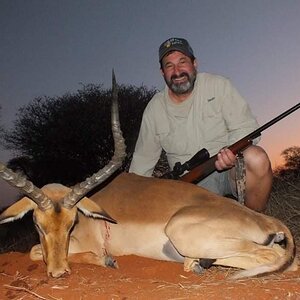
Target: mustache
{"points": [[180, 75]]}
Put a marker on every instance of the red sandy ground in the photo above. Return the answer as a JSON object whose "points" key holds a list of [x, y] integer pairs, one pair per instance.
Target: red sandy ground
{"points": [[136, 278]]}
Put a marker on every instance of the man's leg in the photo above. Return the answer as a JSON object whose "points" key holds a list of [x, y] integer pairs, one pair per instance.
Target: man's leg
{"points": [[258, 178]]}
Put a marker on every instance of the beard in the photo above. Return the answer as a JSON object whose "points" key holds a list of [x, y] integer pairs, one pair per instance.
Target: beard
{"points": [[184, 87]]}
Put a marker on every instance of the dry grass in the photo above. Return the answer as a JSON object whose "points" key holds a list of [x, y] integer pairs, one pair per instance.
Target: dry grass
{"points": [[284, 203]]}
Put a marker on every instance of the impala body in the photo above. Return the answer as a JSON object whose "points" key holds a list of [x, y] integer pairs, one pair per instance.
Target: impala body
{"points": [[160, 219]]}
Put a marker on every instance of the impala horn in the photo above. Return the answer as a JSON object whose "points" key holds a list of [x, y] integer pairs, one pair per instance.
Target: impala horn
{"points": [[26, 186], [81, 189]]}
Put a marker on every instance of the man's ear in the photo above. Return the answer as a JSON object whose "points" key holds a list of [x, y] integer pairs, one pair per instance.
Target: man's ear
{"points": [[162, 72], [195, 63]]}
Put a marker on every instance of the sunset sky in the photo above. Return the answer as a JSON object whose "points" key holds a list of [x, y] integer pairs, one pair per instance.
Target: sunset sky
{"points": [[52, 47]]}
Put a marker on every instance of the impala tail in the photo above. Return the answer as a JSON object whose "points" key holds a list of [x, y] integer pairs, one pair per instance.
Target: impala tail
{"points": [[286, 252]]}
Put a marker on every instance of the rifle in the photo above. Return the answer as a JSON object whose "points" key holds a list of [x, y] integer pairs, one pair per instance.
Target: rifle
{"points": [[201, 164]]}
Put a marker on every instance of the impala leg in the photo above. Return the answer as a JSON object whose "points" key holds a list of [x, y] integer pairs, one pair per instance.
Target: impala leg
{"points": [[94, 259], [256, 256], [194, 241], [36, 253], [227, 252], [82, 250], [196, 237]]}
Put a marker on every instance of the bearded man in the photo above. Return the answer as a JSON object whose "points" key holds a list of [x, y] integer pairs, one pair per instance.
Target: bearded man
{"points": [[200, 110]]}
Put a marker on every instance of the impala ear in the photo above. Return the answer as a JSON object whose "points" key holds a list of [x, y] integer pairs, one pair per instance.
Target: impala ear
{"points": [[17, 210], [91, 209]]}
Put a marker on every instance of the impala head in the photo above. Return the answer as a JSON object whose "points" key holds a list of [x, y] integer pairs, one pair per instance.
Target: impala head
{"points": [[54, 226], [55, 207]]}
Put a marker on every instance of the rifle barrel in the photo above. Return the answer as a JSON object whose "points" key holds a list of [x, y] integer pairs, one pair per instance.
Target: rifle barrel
{"points": [[203, 170], [257, 132]]}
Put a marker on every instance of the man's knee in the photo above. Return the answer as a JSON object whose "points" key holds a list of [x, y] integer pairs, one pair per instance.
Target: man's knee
{"points": [[257, 160], [258, 178]]}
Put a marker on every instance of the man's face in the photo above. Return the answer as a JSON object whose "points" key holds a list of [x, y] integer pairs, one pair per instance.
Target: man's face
{"points": [[179, 72]]}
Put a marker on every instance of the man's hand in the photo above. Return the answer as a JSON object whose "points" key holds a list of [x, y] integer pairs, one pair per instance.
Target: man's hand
{"points": [[225, 159]]}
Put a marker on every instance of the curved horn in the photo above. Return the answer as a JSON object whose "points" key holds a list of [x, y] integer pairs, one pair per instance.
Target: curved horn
{"points": [[19, 181], [81, 189]]}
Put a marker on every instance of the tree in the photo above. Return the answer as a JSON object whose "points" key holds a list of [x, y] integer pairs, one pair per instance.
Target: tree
{"points": [[291, 165], [291, 157], [64, 139]]}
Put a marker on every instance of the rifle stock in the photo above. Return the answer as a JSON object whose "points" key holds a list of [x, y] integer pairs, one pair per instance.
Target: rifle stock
{"points": [[206, 168], [200, 157]]}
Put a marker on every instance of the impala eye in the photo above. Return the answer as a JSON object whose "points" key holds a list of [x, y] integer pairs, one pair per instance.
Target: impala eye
{"points": [[74, 223], [39, 229], [37, 226]]}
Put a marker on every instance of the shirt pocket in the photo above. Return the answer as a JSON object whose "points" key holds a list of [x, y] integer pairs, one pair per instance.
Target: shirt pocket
{"points": [[215, 130], [175, 141]]}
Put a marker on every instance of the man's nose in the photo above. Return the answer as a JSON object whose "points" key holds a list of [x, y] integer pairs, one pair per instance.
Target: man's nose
{"points": [[177, 70]]}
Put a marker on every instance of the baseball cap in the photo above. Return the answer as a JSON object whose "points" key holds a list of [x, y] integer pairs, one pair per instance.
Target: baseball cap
{"points": [[175, 44]]}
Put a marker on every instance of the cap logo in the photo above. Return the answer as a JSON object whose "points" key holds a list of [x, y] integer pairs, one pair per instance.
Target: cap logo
{"points": [[172, 41], [175, 44], [168, 44]]}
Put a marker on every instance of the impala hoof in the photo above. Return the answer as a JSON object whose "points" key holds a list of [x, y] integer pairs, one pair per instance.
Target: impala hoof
{"points": [[36, 252], [111, 262], [197, 269], [193, 265], [206, 263]]}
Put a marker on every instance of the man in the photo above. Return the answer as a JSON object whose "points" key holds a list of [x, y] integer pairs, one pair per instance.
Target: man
{"points": [[195, 111]]}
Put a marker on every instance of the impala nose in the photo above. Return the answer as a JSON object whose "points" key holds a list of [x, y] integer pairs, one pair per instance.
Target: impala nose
{"points": [[59, 272]]}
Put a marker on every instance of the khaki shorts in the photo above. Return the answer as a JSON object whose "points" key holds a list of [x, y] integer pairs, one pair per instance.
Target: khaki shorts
{"points": [[219, 183]]}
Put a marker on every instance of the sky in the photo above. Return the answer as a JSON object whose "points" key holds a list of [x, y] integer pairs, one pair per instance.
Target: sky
{"points": [[53, 47]]}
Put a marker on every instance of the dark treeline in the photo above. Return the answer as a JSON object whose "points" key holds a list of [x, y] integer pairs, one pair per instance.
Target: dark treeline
{"points": [[65, 139], [291, 166]]}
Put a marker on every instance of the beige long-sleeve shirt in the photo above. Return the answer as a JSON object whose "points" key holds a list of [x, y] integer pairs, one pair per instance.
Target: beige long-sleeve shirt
{"points": [[214, 116]]}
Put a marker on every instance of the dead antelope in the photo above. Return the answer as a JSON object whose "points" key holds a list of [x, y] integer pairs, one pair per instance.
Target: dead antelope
{"points": [[156, 218]]}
